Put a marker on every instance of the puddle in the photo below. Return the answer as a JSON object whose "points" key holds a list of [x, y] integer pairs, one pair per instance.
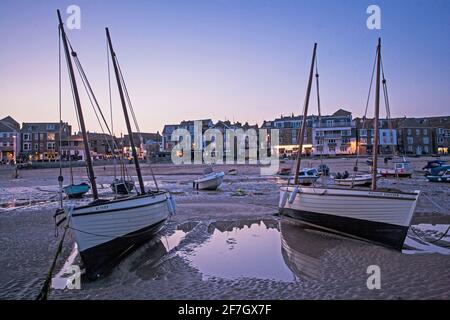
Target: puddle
{"points": [[252, 249]]}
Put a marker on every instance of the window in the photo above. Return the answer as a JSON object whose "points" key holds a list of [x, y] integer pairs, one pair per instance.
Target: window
{"points": [[417, 132], [331, 141], [425, 132], [343, 149], [50, 136], [26, 146], [345, 140], [279, 124], [346, 133], [363, 140], [330, 123], [332, 148], [409, 132], [295, 124], [36, 136], [50, 145], [363, 132], [5, 135], [410, 140], [41, 136], [425, 149], [320, 133], [36, 146], [51, 126], [5, 144], [440, 140], [26, 136], [319, 148], [410, 148], [426, 140]]}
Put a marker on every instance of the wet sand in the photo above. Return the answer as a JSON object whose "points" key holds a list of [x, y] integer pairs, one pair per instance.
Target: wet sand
{"points": [[323, 266]]}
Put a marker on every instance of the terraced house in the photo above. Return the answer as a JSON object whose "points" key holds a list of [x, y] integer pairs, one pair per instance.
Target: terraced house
{"points": [[39, 140], [9, 139], [334, 134]]}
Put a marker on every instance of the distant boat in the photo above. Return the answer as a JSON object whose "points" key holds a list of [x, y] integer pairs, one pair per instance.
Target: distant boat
{"points": [[308, 176], [431, 165], [354, 180], [376, 215], [76, 190], [210, 181], [440, 174], [122, 186], [401, 169]]}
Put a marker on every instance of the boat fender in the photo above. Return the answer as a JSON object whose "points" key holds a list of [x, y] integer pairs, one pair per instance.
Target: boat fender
{"points": [[283, 199], [293, 194], [171, 204]]}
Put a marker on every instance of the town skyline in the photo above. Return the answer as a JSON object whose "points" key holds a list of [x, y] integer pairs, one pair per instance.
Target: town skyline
{"points": [[250, 65]]}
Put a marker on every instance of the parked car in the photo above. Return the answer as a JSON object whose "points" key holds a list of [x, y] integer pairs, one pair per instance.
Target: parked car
{"points": [[431, 165]]}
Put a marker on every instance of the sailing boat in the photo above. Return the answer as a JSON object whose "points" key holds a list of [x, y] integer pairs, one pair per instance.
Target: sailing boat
{"points": [[75, 190], [379, 216], [106, 228], [122, 185]]}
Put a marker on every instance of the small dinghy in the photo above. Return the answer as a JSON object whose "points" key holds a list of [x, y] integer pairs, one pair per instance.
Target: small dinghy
{"points": [[439, 174], [121, 186], [307, 176], [353, 180], [210, 181], [401, 169], [76, 190]]}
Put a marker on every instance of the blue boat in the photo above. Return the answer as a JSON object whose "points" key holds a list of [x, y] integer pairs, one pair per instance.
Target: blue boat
{"points": [[76, 190], [440, 174]]}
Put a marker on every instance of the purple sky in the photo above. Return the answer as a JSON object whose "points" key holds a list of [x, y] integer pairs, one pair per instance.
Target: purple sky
{"points": [[246, 60]]}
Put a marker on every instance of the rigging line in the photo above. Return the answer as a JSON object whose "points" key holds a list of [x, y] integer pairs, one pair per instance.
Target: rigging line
{"points": [[90, 93], [319, 117], [77, 63], [60, 178], [111, 113], [388, 107], [365, 113], [130, 106]]}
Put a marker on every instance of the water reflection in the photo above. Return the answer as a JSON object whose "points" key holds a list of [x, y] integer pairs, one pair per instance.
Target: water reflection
{"points": [[237, 249], [303, 248]]}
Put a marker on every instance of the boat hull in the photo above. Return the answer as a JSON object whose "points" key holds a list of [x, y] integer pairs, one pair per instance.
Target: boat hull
{"points": [[122, 187], [393, 173], [365, 180], [379, 217], [444, 178], [76, 190], [105, 230]]}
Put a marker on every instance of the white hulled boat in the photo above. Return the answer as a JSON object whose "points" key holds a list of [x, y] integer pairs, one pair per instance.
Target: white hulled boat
{"points": [[210, 181], [105, 229], [379, 216]]}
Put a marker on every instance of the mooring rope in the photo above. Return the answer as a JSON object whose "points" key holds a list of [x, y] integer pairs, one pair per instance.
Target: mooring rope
{"points": [[43, 294]]}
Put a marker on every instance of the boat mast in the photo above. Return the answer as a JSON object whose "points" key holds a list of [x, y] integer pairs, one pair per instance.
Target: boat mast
{"points": [[125, 113], [376, 120], [305, 113], [79, 110]]}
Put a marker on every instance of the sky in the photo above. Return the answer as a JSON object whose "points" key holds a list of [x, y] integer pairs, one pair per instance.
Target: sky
{"points": [[243, 60]]}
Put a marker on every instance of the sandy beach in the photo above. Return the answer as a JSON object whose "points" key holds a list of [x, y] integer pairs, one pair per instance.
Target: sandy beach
{"points": [[225, 244]]}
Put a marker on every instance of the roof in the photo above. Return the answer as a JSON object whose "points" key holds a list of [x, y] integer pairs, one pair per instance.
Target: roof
{"points": [[10, 123], [185, 123], [168, 128], [342, 113]]}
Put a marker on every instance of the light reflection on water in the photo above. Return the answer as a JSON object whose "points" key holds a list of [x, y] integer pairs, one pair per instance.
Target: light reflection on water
{"points": [[251, 251]]}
